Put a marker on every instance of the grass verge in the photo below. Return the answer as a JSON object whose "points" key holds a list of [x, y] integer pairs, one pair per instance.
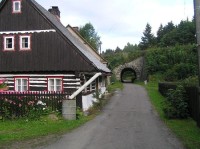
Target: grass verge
{"points": [[19, 130], [186, 130], [117, 85]]}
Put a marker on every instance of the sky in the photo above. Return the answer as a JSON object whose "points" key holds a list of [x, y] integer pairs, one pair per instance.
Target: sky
{"points": [[118, 22]]}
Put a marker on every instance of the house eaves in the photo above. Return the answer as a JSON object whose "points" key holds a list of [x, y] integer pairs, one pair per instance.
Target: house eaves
{"points": [[84, 41], [96, 63], [2, 3]]}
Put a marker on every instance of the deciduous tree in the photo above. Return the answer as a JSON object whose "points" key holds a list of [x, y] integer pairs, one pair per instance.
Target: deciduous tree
{"points": [[90, 35]]}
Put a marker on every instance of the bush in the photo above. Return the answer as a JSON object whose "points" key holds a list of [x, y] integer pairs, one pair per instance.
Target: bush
{"points": [[177, 63], [191, 81], [171, 75], [79, 113], [113, 78], [176, 104]]}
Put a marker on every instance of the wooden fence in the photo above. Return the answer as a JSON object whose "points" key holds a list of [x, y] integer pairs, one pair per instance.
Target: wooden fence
{"points": [[14, 104], [194, 103]]}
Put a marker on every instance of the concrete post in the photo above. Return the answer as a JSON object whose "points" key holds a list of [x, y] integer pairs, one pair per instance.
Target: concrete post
{"points": [[69, 109]]}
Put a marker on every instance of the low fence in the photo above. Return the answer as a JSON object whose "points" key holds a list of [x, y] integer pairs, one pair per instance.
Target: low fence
{"points": [[14, 104], [165, 86], [194, 103]]}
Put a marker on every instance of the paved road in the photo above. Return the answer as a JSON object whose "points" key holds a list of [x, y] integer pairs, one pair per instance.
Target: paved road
{"points": [[127, 122]]}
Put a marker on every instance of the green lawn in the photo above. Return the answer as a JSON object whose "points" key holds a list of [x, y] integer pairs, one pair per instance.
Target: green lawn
{"points": [[22, 129], [186, 130], [114, 86]]}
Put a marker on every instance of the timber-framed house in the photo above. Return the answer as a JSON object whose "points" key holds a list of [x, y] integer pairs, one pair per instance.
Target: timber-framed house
{"points": [[38, 53]]}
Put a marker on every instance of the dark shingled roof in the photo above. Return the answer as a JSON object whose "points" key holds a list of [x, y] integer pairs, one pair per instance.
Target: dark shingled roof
{"points": [[99, 65]]}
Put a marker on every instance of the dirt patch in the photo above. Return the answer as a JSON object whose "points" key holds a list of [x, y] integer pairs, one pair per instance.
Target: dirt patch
{"points": [[32, 143]]}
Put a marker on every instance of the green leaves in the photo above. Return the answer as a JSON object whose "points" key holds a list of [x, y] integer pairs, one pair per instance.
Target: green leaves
{"points": [[177, 63], [176, 103], [182, 34], [169, 35], [90, 35], [148, 39]]}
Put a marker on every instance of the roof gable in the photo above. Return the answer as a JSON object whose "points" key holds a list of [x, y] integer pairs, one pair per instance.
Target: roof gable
{"points": [[99, 65], [81, 49]]}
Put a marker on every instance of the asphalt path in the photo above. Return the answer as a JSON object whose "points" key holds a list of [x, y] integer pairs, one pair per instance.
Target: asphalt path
{"points": [[127, 122]]}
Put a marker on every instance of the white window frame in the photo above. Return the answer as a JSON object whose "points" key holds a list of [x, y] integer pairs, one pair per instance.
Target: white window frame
{"points": [[91, 87], [21, 42], [5, 42], [14, 6], [55, 85], [21, 85]]}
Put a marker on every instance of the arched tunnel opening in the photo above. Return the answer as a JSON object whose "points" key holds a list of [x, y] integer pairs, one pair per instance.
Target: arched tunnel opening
{"points": [[128, 75]]}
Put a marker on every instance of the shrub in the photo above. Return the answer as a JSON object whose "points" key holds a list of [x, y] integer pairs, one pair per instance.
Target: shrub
{"points": [[30, 106], [184, 70], [191, 81], [177, 63], [79, 113], [171, 75], [35, 112], [113, 78], [176, 104]]}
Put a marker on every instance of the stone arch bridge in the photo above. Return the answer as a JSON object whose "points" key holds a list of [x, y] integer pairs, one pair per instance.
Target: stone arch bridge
{"points": [[136, 66]]}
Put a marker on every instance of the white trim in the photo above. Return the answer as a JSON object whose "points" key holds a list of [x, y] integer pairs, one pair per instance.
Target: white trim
{"points": [[36, 75], [5, 43], [54, 84], [10, 79], [21, 85], [10, 82], [38, 85], [78, 83], [71, 79], [29, 42], [72, 87], [38, 79], [14, 8], [11, 86], [85, 85], [42, 82], [25, 32]]}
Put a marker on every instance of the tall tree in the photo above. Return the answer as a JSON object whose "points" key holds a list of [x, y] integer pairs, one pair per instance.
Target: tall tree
{"points": [[163, 31], [169, 27], [186, 32], [169, 39], [148, 39], [130, 47], [160, 33], [117, 50], [182, 34], [90, 35]]}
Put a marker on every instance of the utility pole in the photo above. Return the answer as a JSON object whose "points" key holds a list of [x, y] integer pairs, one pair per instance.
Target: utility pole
{"points": [[197, 19], [100, 43]]}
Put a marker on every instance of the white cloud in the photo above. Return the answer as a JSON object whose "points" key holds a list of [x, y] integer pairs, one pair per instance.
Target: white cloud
{"points": [[121, 21]]}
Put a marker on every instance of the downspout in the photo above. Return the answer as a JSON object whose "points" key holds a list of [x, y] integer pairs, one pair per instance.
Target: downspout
{"points": [[85, 85]]}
